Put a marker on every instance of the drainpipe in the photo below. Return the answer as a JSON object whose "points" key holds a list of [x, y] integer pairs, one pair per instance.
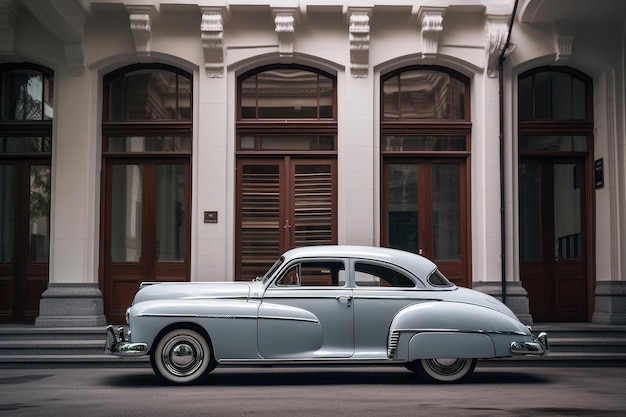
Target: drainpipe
{"points": [[502, 197]]}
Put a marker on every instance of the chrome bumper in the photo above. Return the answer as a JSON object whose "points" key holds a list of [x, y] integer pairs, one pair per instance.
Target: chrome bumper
{"points": [[118, 343], [538, 347]]}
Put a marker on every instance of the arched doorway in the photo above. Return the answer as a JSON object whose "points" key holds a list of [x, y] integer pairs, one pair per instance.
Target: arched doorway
{"points": [[555, 192]]}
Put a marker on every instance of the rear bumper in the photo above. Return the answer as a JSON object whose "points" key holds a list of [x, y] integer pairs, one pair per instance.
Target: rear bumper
{"points": [[118, 343], [537, 347]]}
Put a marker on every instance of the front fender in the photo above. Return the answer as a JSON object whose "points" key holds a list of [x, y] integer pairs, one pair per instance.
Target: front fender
{"points": [[440, 329], [231, 324]]}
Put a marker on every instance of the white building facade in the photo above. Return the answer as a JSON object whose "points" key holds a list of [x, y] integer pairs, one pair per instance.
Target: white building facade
{"points": [[196, 141]]}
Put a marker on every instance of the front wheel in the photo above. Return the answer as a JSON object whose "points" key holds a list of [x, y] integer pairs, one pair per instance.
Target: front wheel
{"points": [[443, 370], [182, 356]]}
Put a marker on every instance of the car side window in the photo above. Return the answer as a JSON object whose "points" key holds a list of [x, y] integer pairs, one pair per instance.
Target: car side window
{"points": [[314, 273], [374, 275]]}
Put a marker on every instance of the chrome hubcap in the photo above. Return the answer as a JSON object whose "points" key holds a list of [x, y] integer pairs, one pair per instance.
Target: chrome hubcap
{"points": [[446, 366], [182, 355]]}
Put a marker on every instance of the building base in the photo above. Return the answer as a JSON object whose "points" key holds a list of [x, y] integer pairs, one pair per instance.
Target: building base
{"points": [[71, 305], [516, 297], [610, 302]]}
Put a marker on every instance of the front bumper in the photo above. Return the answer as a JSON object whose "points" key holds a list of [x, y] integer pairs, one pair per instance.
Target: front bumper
{"points": [[538, 347], [118, 343]]}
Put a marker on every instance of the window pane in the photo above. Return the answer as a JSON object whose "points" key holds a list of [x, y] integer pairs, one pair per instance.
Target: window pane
{"points": [[579, 100], [530, 212], [39, 219], [526, 98], [543, 95], [27, 95], [287, 143], [314, 274], [25, 144], [170, 213], [126, 217], [287, 94], [567, 223], [248, 98], [403, 207], [561, 96], [458, 99], [7, 211], [373, 275], [390, 99], [446, 190], [184, 98], [553, 143], [150, 94], [149, 144], [423, 143]]}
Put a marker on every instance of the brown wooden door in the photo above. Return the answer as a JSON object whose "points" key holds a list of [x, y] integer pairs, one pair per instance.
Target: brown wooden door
{"points": [[282, 203], [424, 211], [24, 237], [146, 227], [553, 259]]}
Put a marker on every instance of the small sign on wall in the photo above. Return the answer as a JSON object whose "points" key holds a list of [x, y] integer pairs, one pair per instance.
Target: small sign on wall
{"points": [[599, 173], [210, 216]]}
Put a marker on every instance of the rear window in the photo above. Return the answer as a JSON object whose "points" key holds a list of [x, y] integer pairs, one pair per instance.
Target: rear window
{"points": [[437, 279]]}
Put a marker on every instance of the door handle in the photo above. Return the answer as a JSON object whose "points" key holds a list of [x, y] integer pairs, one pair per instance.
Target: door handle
{"points": [[346, 298]]}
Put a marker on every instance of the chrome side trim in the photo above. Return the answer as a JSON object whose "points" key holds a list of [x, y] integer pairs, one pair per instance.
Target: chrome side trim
{"points": [[289, 319], [199, 316], [461, 331]]}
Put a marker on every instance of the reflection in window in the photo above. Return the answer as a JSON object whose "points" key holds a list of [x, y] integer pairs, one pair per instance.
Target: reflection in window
{"points": [[423, 94], [170, 212], [126, 213], [26, 95], [374, 275], [149, 144], [287, 93], [553, 143], [322, 273], [39, 219], [423, 143], [7, 211], [150, 94]]}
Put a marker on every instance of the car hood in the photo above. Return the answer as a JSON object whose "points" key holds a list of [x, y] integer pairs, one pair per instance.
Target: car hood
{"points": [[193, 291]]}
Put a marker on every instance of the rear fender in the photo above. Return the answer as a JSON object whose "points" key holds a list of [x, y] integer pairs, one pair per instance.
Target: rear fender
{"points": [[442, 329]]}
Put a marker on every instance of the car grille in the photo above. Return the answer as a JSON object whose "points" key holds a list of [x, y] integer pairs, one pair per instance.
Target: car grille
{"points": [[392, 345]]}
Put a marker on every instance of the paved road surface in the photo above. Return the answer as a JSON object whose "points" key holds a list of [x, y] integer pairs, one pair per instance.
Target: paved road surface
{"points": [[379, 391]]}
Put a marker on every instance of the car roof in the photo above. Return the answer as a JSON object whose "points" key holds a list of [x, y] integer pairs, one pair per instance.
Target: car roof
{"points": [[416, 264]]}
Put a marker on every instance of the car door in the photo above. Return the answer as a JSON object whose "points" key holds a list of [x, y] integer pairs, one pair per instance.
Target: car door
{"points": [[307, 313]]}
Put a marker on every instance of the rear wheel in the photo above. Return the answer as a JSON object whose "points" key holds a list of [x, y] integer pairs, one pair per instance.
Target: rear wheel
{"points": [[443, 370], [182, 356]]}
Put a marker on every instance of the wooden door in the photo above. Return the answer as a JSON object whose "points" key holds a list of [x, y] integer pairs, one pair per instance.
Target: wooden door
{"points": [[146, 227], [24, 237], [282, 203], [553, 260]]}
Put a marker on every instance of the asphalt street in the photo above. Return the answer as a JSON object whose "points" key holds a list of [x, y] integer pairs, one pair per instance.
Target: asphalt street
{"points": [[336, 391]]}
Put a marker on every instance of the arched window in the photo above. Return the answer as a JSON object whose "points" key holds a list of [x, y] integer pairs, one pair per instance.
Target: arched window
{"points": [[146, 149], [424, 145], [26, 115]]}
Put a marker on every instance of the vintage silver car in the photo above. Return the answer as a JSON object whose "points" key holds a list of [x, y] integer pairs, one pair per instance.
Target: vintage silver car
{"points": [[323, 305]]}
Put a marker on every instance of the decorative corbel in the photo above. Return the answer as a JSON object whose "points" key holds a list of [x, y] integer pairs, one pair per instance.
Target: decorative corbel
{"points": [[141, 25], [359, 20], [212, 34], [8, 17], [285, 19], [496, 31], [431, 21], [563, 33]]}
